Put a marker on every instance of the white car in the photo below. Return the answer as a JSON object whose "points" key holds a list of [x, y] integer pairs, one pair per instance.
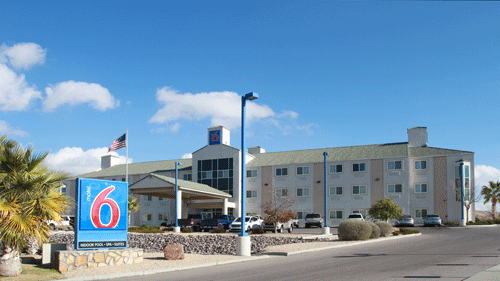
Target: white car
{"points": [[251, 222], [64, 223], [356, 216]]}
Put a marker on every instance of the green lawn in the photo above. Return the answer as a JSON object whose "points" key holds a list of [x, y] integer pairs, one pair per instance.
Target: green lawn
{"points": [[32, 270]]}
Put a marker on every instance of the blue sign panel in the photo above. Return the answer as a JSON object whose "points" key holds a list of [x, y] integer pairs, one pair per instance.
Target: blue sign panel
{"points": [[102, 213], [214, 137]]}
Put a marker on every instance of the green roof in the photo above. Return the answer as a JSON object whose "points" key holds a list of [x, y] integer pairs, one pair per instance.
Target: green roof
{"points": [[189, 185]]}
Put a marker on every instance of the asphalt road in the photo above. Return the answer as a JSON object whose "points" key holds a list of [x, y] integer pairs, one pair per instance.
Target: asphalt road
{"points": [[439, 253]]}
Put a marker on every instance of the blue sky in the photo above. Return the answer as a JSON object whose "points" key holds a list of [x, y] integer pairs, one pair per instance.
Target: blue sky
{"points": [[75, 75]]}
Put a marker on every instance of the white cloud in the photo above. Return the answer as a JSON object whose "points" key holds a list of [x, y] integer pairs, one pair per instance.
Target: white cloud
{"points": [[73, 93], [224, 108], [6, 129], [307, 128], [289, 113], [23, 55], [76, 161], [482, 175], [187, 156], [15, 93], [175, 127]]}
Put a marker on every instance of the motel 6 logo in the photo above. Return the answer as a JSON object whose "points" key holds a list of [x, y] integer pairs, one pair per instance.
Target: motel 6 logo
{"points": [[100, 201]]}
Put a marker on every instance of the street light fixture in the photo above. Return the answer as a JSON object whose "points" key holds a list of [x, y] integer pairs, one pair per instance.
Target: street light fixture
{"points": [[243, 240], [177, 228]]}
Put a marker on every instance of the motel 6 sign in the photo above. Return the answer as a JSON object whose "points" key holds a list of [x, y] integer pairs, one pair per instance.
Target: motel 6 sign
{"points": [[102, 212]]}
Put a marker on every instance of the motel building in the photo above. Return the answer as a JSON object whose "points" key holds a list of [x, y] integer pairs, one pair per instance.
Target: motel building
{"points": [[420, 179]]}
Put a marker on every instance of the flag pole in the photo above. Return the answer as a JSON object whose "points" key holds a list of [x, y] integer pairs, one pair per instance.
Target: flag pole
{"points": [[126, 158]]}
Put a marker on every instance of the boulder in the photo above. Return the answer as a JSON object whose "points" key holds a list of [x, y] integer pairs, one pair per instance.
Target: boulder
{"points": [[173, 251]]}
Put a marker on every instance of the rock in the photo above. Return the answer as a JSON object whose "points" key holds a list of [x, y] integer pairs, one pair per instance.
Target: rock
{"points": [[173, 251]]}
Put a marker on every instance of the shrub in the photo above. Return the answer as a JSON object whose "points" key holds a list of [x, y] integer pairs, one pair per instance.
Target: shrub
{"points": [[218, 230], [354, 230], [145, 229], [187, 230], [405, 231], [385, 228], [451, 223], [375, 230], [258, 230]]}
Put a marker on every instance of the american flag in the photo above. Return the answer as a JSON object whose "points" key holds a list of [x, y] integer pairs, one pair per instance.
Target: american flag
{"points": [[119, 143]]}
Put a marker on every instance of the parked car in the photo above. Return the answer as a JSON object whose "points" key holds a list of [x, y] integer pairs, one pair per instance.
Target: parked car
{"points": [[405, 220], [313, 219], [193, 220], [295, 223], [356, 216], [217, 221], [432, 220], [250, 223], [279, 227], [65, 223]]}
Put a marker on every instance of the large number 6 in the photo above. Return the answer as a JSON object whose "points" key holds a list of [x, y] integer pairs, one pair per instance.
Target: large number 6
{"points": [[95, 210]]}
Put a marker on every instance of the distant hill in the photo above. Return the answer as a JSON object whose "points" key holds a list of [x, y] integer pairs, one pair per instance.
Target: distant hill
{"points": [[484, 215]]}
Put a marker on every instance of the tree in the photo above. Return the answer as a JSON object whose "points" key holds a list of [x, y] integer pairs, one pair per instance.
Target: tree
{"points": [[133, 205], [385, 209], [491, 193], [278, 210], [474, 196], [29, 196]]}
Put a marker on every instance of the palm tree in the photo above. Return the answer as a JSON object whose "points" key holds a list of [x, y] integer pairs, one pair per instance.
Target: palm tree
{"points": [[29, 197], [491, 193], [133, 205]]}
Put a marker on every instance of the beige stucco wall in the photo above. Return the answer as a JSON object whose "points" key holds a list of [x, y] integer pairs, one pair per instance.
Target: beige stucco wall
{"points": [[376, 180], [440, 188], [318, 189], [266, 190]]}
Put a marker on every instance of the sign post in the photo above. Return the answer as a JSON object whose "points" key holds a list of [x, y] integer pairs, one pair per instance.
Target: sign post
{"points": [[102, 213]]}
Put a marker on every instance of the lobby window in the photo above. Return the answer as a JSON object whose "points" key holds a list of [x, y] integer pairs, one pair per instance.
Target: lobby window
{"points": [[281, 172], [302, 192], [252, 193], [336, 169], [359, 167], [358, 189], [336, 214], [281, 192], [252, 173], [394, 165], [421, 188], [302, 171], [217, 173], [335, 190], [421, 165], [395, 188]]}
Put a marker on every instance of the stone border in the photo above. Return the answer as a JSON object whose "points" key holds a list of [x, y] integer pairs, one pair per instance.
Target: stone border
{"points": [[75, 259]]}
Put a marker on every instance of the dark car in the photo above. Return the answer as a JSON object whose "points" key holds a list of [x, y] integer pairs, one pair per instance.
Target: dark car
{"points": [[405, 221], [432, 220], [313, 220]]}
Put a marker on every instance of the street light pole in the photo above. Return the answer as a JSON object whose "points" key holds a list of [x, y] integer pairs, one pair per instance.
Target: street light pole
{"points": [[326, 229], [176, 228], [243, 245]]}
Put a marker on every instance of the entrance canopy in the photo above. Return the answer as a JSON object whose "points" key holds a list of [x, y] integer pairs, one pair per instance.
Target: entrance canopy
{"points": [[163, 186]]}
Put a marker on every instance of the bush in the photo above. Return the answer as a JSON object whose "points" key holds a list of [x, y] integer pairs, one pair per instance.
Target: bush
{"points": [[375, 230], [145, 229], [218, 230], [354, 230], [258, 230], [187, 230], [452, 223], [405, 231], [385, 228]]}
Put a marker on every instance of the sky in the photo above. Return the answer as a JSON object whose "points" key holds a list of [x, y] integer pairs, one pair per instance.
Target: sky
{"points": [[76, 75]]}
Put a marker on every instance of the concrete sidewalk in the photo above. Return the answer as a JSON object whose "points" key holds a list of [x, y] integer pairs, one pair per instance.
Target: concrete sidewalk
{"points": [[155, 262]]}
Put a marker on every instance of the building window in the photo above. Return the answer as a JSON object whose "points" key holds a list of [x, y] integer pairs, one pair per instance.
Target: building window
{"points": [[281, 172], [420, 213], [281, 192], [160, 217], [394, 165], [335, 190], [63, 189], [362, 212], [336, 214], [421, 188], [302, 192], [187, 177], [301, 215], [148, 217], [160, 198], [223, 174], [395, 188], [217, 173], [358, 189], [359, 167], [336, 169], [421, 165], [252, 173], [252, 193], [147, 198], [302, 171]]}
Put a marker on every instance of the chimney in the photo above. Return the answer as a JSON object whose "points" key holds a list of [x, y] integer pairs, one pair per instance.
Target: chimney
{"points": [[109, 161], [417, 136], [256, 150]]}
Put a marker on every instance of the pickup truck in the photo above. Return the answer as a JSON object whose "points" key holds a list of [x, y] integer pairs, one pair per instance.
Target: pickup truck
{"points": [[192, 220], [313, 219], [279, 227], [217, 221]]}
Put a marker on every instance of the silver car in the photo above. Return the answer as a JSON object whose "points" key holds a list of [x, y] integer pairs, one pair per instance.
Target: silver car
{"points": [[405, 221], [432, 220]]}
